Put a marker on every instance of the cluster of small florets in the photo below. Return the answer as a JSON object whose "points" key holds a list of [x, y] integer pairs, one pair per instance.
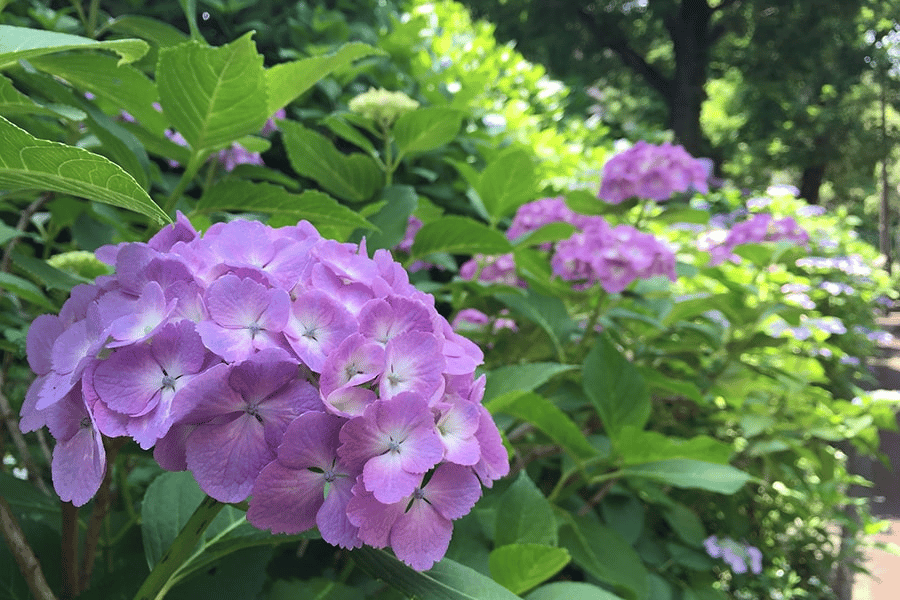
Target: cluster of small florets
{"points": [[596, 253], [276, 365], [761, 227], [612, 256], [740, 557], [652, 172]]}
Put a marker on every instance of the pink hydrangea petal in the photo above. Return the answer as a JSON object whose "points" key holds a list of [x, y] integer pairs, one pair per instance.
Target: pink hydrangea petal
{"points": [[286, 500], [421, 536], [226, 458], [384, 476]]}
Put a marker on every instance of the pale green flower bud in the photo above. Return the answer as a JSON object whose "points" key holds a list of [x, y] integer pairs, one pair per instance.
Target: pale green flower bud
{"points": [[382, 106]]}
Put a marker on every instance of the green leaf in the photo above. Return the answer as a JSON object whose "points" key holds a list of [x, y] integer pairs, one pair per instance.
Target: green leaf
{"points": [[507, 183], [17, 43], [286, 81], [616, 388], [552, 232], [685, 523], [213, 96], [352, 177], [657, 381], [323, 211], [520, 567], [159, 32], [571, 590], [683, 215], [14, 102], [604, 554], [393, 218], [27, 163], [544, 415], [447, 580], [524, 515], [637, 446], [548, 312], [459, 235], [26, 498], [339, 126], [121, 85], [425, 129], [587, 203], [49, 277], [691, 474], [524, 377], [624, 513]]}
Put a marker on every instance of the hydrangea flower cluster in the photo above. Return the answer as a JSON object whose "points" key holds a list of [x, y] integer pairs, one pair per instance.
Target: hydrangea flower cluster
{"points": [[612, 256], [277, 365], [761, 227], [740, 557], [596, 252], [652, 172]]}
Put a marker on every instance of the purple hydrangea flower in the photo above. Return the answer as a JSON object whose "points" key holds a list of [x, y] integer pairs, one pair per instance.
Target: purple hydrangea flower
{"points": [[652, 172], [739, 557], [272, 362]]}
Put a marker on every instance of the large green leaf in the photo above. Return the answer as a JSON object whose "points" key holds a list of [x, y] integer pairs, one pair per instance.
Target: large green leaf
{"points": [[544, 415], [447, 580], [520, 567], [692, 474], [27, 163], [571, 590], [121, 85], [392, 219], [548, 312], [286, 81], [616, 388], [604, 554], [147, 28], [425, 129], [14, 102], [459, 235], [526, 377], [507, 183], [323, 211], [213, 96], [17, 43], [352, 177], [637, 446], [524, 515]]}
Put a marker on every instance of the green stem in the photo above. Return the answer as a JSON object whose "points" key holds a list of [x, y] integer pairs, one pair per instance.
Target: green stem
{"points": [[389, 165], [190, 171], [162, 577], [589, 332]]}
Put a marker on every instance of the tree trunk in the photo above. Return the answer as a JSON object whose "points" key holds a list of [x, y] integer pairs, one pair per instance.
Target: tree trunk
{"points": [[692, 39], [811, 183]]}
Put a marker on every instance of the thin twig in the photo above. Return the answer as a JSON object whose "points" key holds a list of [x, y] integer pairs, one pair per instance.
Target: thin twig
{"points": [[596, 498], [25, 558], [24, 219], [69, 550], [98, 514], [12, 425]]}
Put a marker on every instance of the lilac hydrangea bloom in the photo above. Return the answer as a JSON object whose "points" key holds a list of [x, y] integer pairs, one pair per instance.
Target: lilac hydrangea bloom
{"points": [[272, 362], [652, 172], [761, 227]]}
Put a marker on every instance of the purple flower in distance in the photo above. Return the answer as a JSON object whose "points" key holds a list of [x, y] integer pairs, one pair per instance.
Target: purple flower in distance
{"points": [[241, 413], [394, 443], [308, 485], [418, 526]]}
